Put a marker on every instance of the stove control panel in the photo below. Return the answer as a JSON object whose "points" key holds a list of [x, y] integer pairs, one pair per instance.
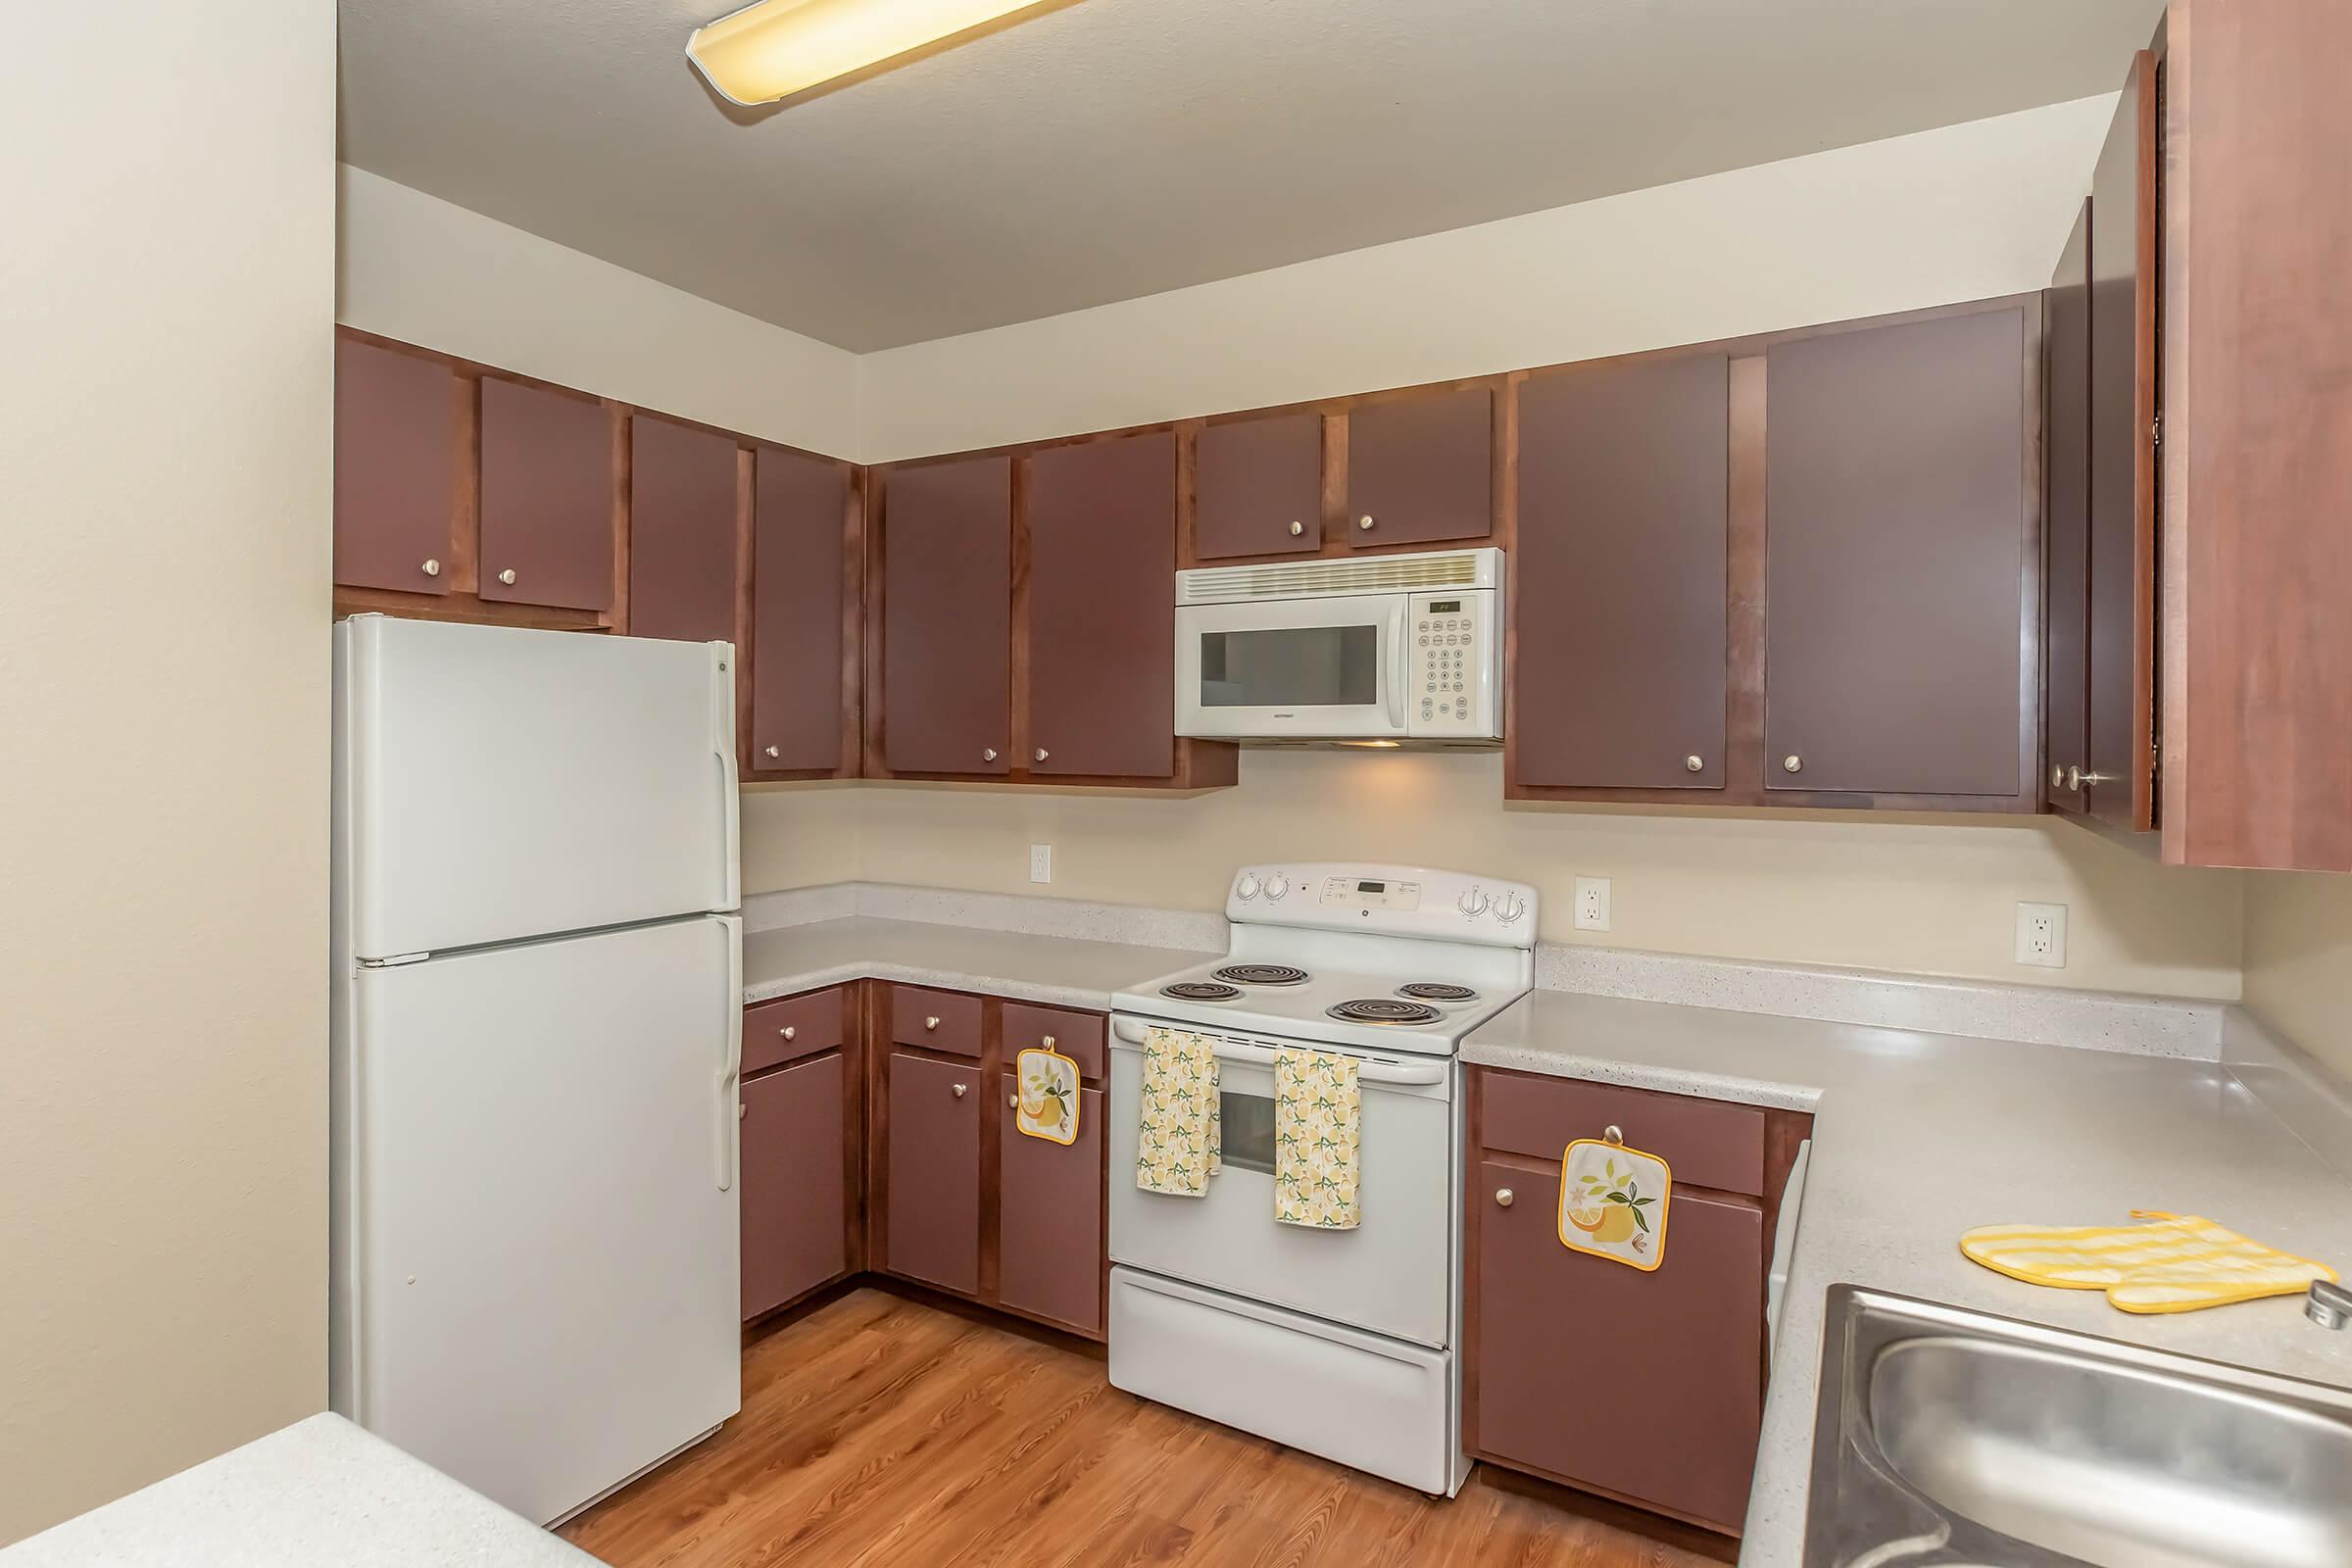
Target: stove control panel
{"points": [[1401, 901]]}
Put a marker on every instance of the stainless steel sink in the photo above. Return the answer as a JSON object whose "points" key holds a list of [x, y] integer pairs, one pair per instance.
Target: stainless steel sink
{"points": [[1952, 1438]]}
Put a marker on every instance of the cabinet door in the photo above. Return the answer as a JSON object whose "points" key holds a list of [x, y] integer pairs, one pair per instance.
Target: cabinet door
{"points": [[799, 597], [2066, 518], [794, 1213], [934, 1202], [681, 533], [396, 468], [1103, 609], [1422, 469], [547, 498], [1618, 609], [2122, 462], [1647, 1385], [946, 618], [1257, 487], [1050, 1226], [1895, 560]]}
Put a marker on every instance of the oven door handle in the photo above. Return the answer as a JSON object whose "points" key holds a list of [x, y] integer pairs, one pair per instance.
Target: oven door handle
{"points": [[1416, 1074]]}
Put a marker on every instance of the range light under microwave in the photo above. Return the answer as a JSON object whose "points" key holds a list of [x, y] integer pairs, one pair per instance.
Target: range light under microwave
{"points": [[1377, 648]]}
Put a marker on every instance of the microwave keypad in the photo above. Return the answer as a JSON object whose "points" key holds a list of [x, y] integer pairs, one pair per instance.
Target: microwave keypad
{"points": [[1445, 664]]}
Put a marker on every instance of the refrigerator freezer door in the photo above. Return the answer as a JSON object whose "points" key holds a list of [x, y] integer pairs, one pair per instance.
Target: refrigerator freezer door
{"points": [[494, 783], [535, 1207]]}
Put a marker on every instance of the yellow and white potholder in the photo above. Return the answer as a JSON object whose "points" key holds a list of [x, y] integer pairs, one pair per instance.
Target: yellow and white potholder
{"points": [[1046, 1083], [1614, 1200], [2168, 1263]]}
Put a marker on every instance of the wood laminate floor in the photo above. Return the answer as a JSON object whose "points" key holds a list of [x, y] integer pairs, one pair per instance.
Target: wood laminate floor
{"points": [[882, 1430]]}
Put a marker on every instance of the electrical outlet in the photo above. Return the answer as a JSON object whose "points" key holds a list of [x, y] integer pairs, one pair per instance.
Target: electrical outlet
{"points": [[2041, 935], [1041, 863], [1592, 903]]}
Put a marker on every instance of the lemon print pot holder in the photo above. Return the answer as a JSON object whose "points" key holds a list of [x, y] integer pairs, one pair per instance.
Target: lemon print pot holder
{"points": [[1048, 1096], [1613, 1201]]}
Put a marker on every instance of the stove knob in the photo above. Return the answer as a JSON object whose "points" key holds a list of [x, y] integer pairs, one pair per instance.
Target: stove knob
{"points": [[1510, 907], [1245, 889], [1472, 904], [1277, 886]]}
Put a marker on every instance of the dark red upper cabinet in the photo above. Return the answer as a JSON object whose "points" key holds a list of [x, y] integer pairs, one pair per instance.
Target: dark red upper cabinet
{"points": [[946, 618], [1257, 487], [397, 431], [2122, 462], [1421, 468], [800, 599], [547, 498], [1899, 519], [1102, 609], [2066, 520], [681, 533], [1617, 602]]}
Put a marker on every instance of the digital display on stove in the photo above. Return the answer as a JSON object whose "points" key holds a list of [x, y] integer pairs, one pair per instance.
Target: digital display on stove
{"points": [[1371, 887]]}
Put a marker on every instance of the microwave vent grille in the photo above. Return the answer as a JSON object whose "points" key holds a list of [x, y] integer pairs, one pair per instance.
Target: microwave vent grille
{"points": [[1368, 575]]}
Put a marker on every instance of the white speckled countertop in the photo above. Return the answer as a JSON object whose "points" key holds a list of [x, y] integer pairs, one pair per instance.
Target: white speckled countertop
{"points": [[321, 1491], [1059, 970], [1916, 1137]]}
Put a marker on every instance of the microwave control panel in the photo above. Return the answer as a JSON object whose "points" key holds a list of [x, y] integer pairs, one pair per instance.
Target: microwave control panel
{"points": [[1456, 685]]}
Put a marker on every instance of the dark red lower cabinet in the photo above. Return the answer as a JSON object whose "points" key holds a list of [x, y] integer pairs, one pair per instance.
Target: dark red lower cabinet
{"points": [[933, 1218], [1050, 1218], [795, 1234], [1646, 1386]]}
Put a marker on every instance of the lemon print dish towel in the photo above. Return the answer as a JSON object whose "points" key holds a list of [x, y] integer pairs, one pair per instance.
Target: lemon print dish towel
{"points": [[1318, 1140], [1178, 1142], [2167, 1263]]}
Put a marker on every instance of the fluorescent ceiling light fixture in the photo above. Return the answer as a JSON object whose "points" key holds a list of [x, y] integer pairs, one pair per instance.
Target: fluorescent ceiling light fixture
{"points": [[779, 47]]}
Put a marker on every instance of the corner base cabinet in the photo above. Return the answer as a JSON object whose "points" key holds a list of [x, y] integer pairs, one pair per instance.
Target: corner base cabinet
{"points": [[1646, 1388]]}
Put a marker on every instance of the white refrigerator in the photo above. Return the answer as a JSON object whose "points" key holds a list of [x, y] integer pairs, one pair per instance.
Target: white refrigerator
{"points": [[536, 1035]]}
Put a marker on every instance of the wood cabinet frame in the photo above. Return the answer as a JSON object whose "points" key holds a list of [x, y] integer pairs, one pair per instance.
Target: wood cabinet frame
{"points": [[1744, 777]]}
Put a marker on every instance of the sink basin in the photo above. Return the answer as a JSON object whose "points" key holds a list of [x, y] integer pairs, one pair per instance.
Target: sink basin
{"points": [[1952, 1438]]}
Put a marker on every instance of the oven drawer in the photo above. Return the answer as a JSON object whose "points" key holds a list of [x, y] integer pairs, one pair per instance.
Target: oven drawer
{"points": [[1391, 1275], [1707, 1142], [1358, 1399]]}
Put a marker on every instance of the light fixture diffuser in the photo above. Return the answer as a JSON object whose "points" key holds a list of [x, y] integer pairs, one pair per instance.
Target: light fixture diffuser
{"points": [[776, 48]]}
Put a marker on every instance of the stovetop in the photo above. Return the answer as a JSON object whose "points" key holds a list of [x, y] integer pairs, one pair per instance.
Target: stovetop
{"points": [[1375, 958]]}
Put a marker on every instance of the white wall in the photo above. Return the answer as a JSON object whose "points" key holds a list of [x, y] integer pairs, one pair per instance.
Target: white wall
{"points": [[420, 270], [2298, 960], [1963, 212], [166, 305]]}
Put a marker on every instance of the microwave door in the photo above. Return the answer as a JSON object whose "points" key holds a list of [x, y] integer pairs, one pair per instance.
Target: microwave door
{"points": [[1303, 668]]}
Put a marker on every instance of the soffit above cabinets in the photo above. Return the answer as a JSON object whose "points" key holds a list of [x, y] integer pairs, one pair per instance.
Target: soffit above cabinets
{"points": [[1109, 149]]}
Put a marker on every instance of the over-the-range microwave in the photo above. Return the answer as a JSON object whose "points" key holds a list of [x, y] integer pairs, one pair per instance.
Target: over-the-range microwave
{"points": [[1398, 649]]}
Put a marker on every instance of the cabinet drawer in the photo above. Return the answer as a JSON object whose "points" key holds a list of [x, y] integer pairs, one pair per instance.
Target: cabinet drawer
{"points": [[1709, 1142], [935, 1020], [789, 1028], [1076, 1035]]}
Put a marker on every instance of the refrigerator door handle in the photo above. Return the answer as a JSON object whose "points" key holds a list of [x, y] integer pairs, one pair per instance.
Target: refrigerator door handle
{"points": [[723, 746], [730, 1073]]}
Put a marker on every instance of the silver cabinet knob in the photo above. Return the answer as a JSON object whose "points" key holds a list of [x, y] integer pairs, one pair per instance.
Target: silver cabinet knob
{"points": [[775, 751], [1694, 763], [988, 753], [930, 1024], [959, 1090], [1364, 521], [789, 1030], [1298, 528], [1043, 754], [2083, 778], [1048, 1042], [1012, 1102], [1504, 1198], [740, 1108], [507, 576], [2057, 776], [432, 567], [1793, 763]]}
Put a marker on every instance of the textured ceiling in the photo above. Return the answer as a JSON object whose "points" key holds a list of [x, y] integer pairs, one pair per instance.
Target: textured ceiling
{"points": [[1115, 148]]}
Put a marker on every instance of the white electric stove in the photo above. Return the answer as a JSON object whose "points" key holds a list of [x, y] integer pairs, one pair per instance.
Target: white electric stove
{"points": [[1340, 1342]]}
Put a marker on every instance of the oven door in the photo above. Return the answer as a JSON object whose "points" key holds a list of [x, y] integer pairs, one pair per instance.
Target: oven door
{"points": [[1313, 668], [1391, 1274]]}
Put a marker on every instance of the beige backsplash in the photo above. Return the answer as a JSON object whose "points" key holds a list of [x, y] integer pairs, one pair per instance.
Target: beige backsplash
{"points": [[1931, 895]]}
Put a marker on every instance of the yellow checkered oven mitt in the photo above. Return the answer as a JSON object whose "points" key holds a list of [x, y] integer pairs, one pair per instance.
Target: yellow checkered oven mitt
{"points": [[2168, 1263]]}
